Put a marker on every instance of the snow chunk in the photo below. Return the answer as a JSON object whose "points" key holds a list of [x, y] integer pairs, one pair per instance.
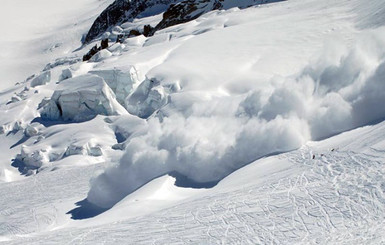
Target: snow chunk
{"points": [[42, 79], [17, 126], [106, 35], [95, 151], [117, 30], [101, 55], [15, 99], [80, 99], [66, 73], [147, 98], [74, 149], [116, 48], [86, 149], [34, 159], [30, 131]]}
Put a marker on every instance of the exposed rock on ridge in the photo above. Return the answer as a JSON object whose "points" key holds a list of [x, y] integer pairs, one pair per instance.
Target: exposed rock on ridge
{"points": [[125, 10], [175, 12]]}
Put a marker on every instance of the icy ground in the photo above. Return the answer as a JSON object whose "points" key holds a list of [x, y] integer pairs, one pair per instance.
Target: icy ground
{"points": [[276, 110]]}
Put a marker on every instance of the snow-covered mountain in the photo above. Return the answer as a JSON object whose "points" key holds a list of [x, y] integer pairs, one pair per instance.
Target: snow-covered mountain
{"points": [[126, 10], [232, 122], [175, 12]]}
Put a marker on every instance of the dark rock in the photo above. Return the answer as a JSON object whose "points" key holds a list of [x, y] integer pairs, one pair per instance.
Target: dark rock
{"points": [[134, 33], [175, 12], [148, 30], [188, 10], [104, 43], [122, 11], [91, 53]]}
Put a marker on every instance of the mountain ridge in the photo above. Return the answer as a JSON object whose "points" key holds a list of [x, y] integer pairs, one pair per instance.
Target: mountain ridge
{"points": [[174, 12]]}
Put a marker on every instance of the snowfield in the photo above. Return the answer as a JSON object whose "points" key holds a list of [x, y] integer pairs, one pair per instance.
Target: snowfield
{"points": [[37, 32], [245, 126]]}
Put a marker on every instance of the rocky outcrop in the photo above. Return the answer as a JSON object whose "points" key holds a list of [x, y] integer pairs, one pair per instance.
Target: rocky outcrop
{"points": [[125, 10], [97, 50], [175, 12], [186, 11]]}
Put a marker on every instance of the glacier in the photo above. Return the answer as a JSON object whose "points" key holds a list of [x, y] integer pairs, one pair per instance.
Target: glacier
{"points": [[243, 125]]}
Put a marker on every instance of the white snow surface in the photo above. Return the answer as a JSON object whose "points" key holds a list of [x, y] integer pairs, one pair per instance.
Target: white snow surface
{"points": [[34, 33], [254, 105]]}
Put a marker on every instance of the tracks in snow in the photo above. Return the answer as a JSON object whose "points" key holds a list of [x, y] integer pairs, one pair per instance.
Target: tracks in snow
{"points": [[338, 197]]}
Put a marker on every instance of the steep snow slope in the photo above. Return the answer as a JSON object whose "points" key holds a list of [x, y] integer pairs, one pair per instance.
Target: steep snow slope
{"points": [[34, 33], [204, 99]]}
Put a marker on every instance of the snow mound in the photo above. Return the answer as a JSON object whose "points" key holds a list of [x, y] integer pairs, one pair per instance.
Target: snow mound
{"points": [[80, 99]]}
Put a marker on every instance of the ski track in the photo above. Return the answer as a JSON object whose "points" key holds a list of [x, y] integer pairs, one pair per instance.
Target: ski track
{"points": [[336, 198], [32, 206]]}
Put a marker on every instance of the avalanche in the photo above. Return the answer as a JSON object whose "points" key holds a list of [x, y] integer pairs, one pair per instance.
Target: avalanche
{"points": [[225, 128]]}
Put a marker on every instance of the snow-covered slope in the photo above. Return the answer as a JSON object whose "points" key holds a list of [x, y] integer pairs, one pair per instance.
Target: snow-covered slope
{"points": [[34, 33], [126, 10], [174, 12], [336, 198], [206, 132]]}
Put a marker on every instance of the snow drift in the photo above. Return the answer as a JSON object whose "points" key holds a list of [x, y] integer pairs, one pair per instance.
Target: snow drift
{"points": [[210, 138]]}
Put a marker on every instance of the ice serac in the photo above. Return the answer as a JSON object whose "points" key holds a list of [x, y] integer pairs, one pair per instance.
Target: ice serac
{"points": [[81, 99], [120, 80], [125, 10], [147, 98], [41, 79], [33, 158]]}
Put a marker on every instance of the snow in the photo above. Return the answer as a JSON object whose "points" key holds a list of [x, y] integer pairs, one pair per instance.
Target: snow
{"points": [[206, 143], [34, 33], [80, 99], [41, 79], [256, 125], [288, 198], [120, 80], [101, 55]]}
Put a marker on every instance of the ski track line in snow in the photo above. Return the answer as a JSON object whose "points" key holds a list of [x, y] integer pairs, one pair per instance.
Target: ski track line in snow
{"points": [[334, 198]]}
